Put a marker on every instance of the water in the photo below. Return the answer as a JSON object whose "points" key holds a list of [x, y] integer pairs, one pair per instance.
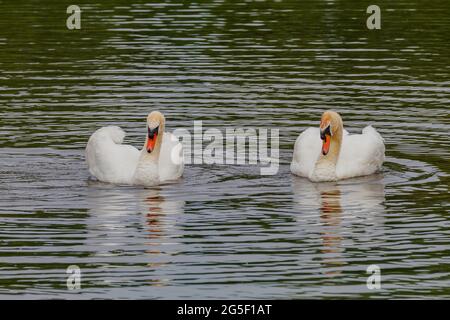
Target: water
{"points": [[223, 231]]}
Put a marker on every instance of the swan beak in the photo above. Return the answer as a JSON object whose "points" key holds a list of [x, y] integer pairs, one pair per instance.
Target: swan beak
{"points": [[325, 135], [151, 139]]}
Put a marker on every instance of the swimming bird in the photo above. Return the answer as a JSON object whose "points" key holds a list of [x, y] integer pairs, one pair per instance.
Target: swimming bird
{"points": [[330, 153], [160, 160]]}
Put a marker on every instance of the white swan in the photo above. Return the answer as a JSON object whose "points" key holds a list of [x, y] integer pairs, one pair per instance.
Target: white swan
{"points": [[160, 160], [342, 155]]}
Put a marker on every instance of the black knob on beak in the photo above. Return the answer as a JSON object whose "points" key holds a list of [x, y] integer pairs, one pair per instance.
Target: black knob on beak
{"points": [[326, 131], [152, 132]]}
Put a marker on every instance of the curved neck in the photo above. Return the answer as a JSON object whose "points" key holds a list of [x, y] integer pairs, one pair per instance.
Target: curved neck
{"points": [[335, 148]]}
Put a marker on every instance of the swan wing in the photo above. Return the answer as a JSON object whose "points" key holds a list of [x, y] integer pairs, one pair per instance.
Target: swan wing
{"points": [[108, 159], [171, 160], [306, 152], [361, 154]]}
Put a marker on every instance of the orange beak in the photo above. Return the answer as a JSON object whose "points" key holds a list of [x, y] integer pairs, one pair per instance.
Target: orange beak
{"points": [[326, 144], [151, 139], [151, 144], [325, 135]]}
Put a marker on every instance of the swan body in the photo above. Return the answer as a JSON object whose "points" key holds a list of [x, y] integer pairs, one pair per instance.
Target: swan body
{"points": [[160, 160], [341, 156]]}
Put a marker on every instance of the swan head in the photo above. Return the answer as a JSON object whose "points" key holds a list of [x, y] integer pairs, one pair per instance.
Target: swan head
{"points": [[155, 129], [330, 126]]}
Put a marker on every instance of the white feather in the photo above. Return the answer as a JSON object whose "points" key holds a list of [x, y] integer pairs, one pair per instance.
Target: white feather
{"points": [[111, 161], [171, 161], [108, 159], [360, 154]]}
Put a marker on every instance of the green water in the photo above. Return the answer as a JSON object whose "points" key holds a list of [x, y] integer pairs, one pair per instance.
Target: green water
{"points": [[223, 231]]}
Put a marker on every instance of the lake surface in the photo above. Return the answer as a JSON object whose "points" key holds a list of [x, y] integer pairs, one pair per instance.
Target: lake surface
{"points": [[223, 231]]}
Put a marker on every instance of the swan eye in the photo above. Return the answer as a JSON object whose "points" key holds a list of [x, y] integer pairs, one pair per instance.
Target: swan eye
{"points": [[326, 131], [152, 132]]}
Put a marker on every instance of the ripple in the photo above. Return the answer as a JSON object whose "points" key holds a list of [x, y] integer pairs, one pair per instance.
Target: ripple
{"points": [[223, 231]]}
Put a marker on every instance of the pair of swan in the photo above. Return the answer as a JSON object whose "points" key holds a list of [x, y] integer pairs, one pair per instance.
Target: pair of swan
{"points": [[327, 153]]}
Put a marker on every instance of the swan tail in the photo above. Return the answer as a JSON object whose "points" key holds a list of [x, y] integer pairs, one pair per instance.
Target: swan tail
{"points": [[361, 154], [377, 152], [116, 134], [108, 159], [372, 131], [109, 134]]}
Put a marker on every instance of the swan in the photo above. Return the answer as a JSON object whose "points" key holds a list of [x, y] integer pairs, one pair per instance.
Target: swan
{"points": [[341, 156], [160, 160]]}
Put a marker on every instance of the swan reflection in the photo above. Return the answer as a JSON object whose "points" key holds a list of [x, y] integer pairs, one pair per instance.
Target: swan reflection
{"points": [[341, 207], [126, 222]]}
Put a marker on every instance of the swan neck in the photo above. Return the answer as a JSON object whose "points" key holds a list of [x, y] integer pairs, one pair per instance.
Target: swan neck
{"points": [[332, 156], [335, 147]]}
